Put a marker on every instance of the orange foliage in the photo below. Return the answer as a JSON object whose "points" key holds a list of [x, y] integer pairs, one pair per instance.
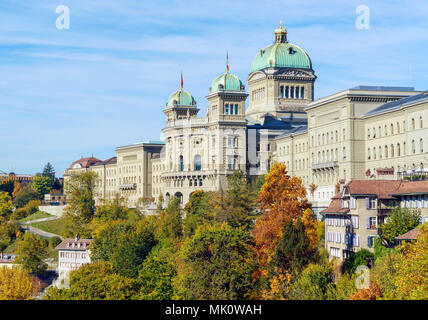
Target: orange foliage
{"points": [[372, 293], [281, 198]]}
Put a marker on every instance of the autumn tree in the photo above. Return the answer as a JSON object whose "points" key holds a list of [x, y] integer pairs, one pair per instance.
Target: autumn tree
{"points": [[16, 284], [95, 281], [6, 205], [282, 198], [25, 195], [30, 254], [217, 263], [16, 188], [112, 209]]}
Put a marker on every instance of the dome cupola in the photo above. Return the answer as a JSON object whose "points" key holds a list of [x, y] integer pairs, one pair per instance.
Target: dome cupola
{"points": [[181, 98]]}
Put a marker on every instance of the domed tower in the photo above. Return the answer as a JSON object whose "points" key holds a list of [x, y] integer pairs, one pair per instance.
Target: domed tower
{"points": [[281, 80], [180, 105], [227, 98]]}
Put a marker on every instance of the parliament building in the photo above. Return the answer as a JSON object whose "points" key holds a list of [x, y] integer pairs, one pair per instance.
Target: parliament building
{"points": [[365, 133]]}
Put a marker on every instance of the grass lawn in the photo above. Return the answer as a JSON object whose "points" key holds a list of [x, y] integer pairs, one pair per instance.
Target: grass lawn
{"points": [[52, 226], [37, 215], [12, 247]]}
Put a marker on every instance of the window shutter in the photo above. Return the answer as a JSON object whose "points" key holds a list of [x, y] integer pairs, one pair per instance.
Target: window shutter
{"points": [[368, 222], [367, 203]]}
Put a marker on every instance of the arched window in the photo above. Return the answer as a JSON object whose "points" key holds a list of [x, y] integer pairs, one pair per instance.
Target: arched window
{"points": [[421, 145], [374, 153], [398, 127], [181, 163], [404, 148], [380, 152], [392, 150], [386, 130], [368, 154], [413, 124], [398, 150], [344, 135], [421, 122], [368, 133], [337, 136], [392, 128], [413, 147], [386, 152], [198, 162]]}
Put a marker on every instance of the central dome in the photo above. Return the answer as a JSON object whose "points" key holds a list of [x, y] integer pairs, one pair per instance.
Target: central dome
{"points": [[281, 54], [228, 82]]}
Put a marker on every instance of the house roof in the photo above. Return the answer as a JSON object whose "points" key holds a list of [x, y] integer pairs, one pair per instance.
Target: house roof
{"points": [[85, 162], [411, 187], [379, 188], [335, 207], [112, 160], [411, 235], [73, 245]]}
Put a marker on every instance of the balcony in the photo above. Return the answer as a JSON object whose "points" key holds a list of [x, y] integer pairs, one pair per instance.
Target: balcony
{"points": [[128, 186], [325, 165]]}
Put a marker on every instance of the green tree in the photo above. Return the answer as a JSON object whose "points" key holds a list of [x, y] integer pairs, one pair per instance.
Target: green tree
{"points": [[42, 185], [80, 209], [25, 195], [9, 231], [315, 283], [294, 250], [156, 274], [8, 187], [400, 221], [6, 205], [197, 212], [217, 263], [30, 254], [170, 220], [124, 245], [49, 172], [361, 257], [95, 281], [54, 241]]}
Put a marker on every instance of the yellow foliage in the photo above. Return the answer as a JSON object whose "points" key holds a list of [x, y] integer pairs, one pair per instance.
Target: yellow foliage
{"points": [[16, 284], [311, 227]]}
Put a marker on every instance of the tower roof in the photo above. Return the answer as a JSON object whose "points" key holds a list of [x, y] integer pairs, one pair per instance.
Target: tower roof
{"points": [[281, 54], [181, 98], [228, 82]]}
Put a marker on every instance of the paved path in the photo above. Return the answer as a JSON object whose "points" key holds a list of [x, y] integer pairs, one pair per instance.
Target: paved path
{"points": [[41, 220], [41, 232]]}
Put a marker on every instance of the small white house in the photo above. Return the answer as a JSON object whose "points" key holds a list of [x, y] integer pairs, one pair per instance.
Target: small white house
{"points": [[72, 254]]}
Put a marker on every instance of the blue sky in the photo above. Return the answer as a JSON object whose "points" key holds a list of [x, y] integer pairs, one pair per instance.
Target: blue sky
{"points": [[103, 83]]}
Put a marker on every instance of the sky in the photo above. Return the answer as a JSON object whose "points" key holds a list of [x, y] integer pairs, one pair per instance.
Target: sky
{"points": [[103, 83]]}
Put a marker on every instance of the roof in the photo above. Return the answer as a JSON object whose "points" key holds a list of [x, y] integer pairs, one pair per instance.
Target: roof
{"points": [[335, 207], [227, 81], [410, 235], [72, 244], [281, 54], [411, 187], [181, 98], [294, 131], [382, 88], [398, 104], [85, 162], [379, 188], [112, 160]]}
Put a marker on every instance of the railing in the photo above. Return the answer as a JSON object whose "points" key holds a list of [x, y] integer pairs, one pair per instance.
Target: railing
{"points": [[325, 165]]}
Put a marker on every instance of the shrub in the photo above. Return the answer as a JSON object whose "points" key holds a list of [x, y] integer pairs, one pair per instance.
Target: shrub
{"points": [[18, 214], [54, 241]]}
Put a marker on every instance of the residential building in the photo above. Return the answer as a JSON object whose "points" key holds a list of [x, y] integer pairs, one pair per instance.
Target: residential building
{"points": [[354, 216], [72, 254]]}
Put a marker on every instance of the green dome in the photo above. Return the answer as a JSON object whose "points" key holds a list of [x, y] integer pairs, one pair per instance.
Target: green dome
{"points": [[228, 82], [281, 54], [181, 98]]}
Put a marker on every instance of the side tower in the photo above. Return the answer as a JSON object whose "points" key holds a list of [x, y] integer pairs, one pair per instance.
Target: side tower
{"points": [[281, 80], [227, 125]]}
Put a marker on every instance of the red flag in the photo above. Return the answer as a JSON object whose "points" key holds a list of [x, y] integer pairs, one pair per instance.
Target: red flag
{"points": [[227, 67], [181, 80]]}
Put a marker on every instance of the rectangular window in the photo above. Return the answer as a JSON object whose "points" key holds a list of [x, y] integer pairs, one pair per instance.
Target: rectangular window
{"points": [[226, 108], [287, 90], [236, 109], [281, 91], [302, 93], [297, 92], [292, 92]]}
